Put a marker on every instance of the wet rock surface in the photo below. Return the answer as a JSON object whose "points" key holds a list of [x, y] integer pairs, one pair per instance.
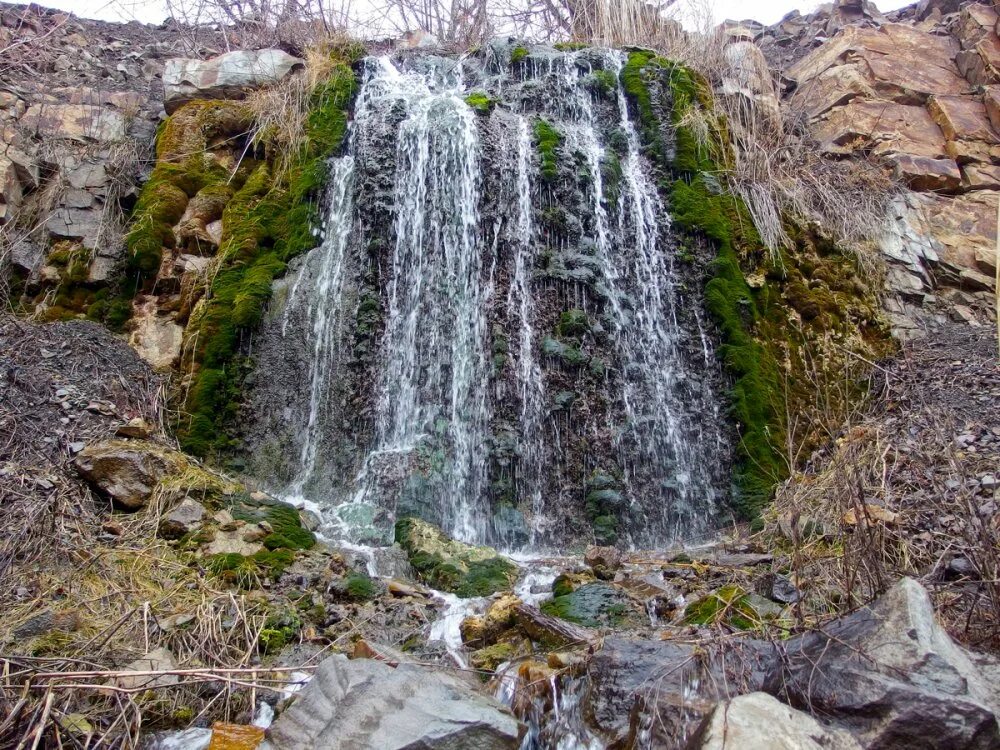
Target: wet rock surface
{"points": [[368, 704]]}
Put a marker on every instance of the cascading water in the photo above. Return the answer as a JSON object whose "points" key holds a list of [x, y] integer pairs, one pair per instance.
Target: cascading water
{"points": [[509, 354], [324, 307]]}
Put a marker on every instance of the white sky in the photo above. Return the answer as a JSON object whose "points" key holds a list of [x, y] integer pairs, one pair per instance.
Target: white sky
{"points": [[153, 11]]}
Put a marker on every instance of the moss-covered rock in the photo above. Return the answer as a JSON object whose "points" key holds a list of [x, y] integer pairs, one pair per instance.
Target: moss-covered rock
{"points": [[452, 566], [481, 102], [268, 220], [595, 605], [733, 606], [547, 141]]}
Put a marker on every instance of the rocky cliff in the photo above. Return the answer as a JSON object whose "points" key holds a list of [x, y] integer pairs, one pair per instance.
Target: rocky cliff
{"points": [[919, 88]]}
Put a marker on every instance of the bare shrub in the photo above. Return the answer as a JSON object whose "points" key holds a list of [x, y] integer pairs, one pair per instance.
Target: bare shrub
{"points": [[897, 494]]}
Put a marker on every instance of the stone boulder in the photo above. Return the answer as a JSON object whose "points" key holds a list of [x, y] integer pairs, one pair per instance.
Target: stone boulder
{"points": [[758, 721], [156, 338], [364, 703], [127, 472], [183, 519], [892, 676], [678, 683], [228, 76]]}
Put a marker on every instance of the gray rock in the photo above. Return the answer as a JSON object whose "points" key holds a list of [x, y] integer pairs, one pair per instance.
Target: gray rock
{"points": [[157, 660], [677, 683], [893, 677], [758, 721], [227, 76], [126, 472], [183, 519], [364, 703]]}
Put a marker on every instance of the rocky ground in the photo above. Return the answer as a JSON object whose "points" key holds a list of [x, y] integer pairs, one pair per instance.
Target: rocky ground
{"points": [[138, 583]]}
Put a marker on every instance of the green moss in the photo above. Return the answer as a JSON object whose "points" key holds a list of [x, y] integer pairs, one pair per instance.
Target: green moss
{"points": [[452, 566], [360, 587], [593, 605], [491, 657], [481, 102], [570, 46], [698, 209], [280, 628], [569, 355], [485, 577], [730, 605], [604, 82], [518, 54], [573, 322], [268, 221], [547, 141]]}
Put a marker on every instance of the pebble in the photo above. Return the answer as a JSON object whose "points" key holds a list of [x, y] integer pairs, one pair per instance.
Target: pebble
{"points": [[989, 481]]}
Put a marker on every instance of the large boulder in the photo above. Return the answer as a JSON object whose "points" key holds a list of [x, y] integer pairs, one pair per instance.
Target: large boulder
{"points": [[892, 676], [364, 703], [228, 76], [127, 471], [632, 681], [758, 721]]}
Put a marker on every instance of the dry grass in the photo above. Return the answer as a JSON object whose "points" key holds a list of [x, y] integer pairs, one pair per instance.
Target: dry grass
{"points": [[280, 111], [896, 496]]}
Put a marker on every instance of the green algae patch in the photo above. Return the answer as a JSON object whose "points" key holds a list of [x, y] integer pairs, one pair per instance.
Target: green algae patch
{"points": [[452, 566], [547, 142], [594, 605]]}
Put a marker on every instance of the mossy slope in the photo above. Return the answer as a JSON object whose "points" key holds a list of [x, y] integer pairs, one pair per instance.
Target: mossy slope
{"points": [[268, 218], [784, 335]]}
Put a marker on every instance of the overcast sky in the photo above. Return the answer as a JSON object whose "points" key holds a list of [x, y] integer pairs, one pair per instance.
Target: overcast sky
{"points": [[153, 11]]}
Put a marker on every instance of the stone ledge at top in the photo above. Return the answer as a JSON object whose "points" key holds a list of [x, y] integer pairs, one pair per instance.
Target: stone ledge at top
{"points": [[227, 76]]}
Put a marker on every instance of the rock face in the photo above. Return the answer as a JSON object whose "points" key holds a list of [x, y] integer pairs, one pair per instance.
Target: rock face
{"points": [[367, 704], [759, 722], [888, 675], [127, 472], [78, 112], [918, 87], [227, 76], [892, 676]]}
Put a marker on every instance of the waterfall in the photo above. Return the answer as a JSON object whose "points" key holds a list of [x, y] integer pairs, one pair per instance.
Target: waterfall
{"points": [[324, 307], [531, 387], [420, 364]]}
